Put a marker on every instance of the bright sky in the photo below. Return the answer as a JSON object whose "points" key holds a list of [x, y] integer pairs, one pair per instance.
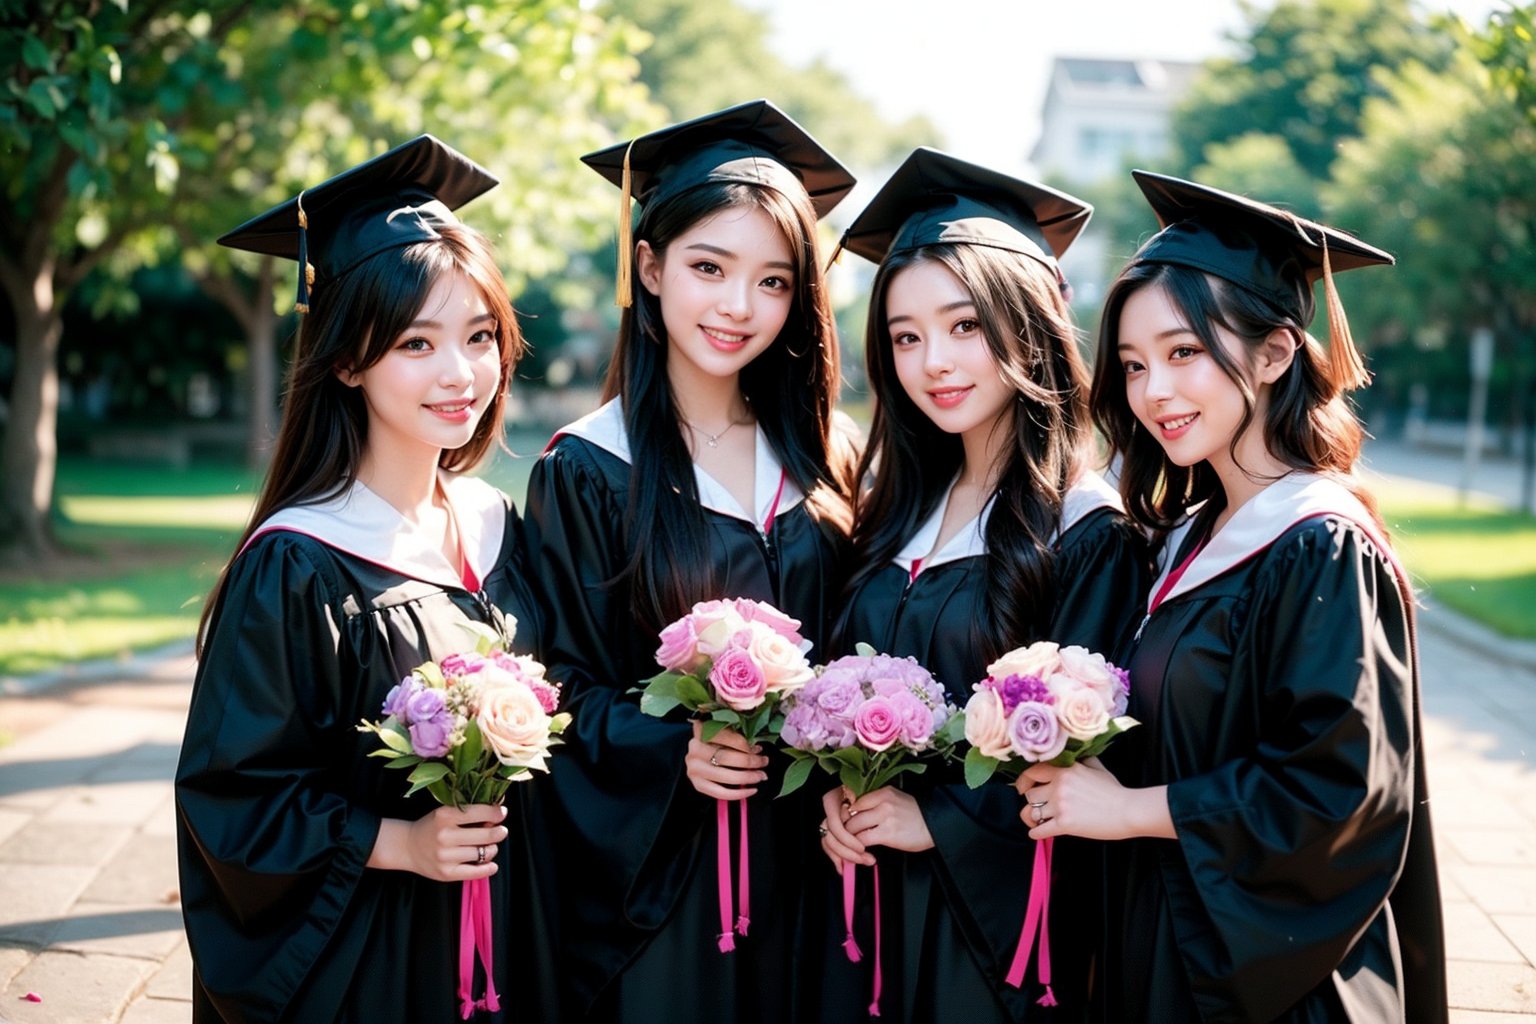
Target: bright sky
{"points": [[979, 68]]}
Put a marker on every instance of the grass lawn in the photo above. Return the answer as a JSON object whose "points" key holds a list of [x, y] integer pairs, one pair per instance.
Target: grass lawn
{"points": [[1478, 560]]}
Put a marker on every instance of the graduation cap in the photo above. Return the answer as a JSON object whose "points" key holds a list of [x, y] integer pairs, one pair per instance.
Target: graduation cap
{"points": [[1258, 247], [934, 198], [396, 199], [754, 143]]}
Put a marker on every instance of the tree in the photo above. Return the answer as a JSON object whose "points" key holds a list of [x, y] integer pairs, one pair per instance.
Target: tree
{"points": [[1305, 70], [86, 154]]}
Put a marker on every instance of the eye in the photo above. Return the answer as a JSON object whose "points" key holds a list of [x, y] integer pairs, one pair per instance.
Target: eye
{"points": [[1181, 352], [904, 339], [416, 344], [1131, 367], [776, 284], [967, 326], [709, 267], [484, 337]]}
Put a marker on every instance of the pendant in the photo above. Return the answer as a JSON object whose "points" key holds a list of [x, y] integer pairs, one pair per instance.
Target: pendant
{"points": [[713, 442]]}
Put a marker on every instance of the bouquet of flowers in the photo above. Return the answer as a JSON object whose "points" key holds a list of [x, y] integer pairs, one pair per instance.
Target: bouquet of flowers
{"points": [[467, 726], [867, 718], [1042, 703], [730, 662]]}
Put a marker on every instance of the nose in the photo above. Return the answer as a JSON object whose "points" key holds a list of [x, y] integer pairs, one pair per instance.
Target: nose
{"points": [[1158, 383], [735, 299], [456, 368], [937, 359]]}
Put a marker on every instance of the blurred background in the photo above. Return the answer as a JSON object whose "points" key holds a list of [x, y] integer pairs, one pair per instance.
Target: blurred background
{"points": [[141, 365]]}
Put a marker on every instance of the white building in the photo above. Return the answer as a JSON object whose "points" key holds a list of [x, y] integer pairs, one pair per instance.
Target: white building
{"points": [[1098, 115]]}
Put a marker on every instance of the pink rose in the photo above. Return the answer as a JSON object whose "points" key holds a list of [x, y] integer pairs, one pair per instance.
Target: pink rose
{"points": [[782, 662], [514, 725], [1091, 669], [456, 666], [1081, 710], [737, 680], [1034, 733], [1039, 659], [768, 615], [986, 727], [715, 623], [679, 650], [877, 723]]}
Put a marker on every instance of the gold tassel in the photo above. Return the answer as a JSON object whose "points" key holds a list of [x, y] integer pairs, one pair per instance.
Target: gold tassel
{"points": [[837, 253], [1345, 365], [306, 271], [623, 286]]}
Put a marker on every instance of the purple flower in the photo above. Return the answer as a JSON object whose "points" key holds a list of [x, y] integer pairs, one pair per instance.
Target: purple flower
{"points": [[917, 719], [431, 737], [839, 697], [1016, 689], [1034, 733], [394, 702], [805, 728]]}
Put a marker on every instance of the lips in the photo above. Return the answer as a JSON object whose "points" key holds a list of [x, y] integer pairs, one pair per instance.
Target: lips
{"points": [[948, 398], [457, 411], [1174, 427], [725, 341]]}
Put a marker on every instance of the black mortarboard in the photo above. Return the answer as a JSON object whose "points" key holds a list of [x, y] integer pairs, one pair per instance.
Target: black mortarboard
{"points": [[1258, 247], [396, 199], [755, 143], [934, 198]]}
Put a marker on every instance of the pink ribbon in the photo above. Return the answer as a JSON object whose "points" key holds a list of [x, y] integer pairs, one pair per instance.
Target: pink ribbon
{"points": [[1037, 921], [731, 924], [475, 937], [850, 945]]}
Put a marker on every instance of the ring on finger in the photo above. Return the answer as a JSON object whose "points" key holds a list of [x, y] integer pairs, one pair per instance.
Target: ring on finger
{"points": [[821, 829], [479, 855], [714, 758]]}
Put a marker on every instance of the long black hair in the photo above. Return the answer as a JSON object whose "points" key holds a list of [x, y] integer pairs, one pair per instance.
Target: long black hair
{"points": [[1308, 426], [791, 388], [353, 322], [1043, 447]]}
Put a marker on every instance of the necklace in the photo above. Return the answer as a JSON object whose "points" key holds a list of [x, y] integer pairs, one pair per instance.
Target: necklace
{"points": [[713, 440]]}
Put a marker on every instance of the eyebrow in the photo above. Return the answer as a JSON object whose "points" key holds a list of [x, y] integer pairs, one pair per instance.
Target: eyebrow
{"points": [[1163, 336], [482, 318], [718, 251], [950, 308]]}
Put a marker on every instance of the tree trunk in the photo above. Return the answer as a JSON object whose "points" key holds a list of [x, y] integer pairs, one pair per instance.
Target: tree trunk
{"points": [[261, 349], [29, 451]]}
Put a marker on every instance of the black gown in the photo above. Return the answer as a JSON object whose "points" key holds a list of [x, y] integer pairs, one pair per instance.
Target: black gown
{"points": [[952, 915], [279, 805], [635, 841], [1277, 686]]}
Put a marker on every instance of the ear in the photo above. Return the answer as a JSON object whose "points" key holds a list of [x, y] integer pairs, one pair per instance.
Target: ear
{"points": [[348, 376], [648, 267], [1275, 355]]}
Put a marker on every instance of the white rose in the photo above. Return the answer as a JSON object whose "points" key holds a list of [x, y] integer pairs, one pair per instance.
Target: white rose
{"points": [[1039, 659], [986, 727], [1091, 670], [514, 725], [782, 663], [1082, 710]]}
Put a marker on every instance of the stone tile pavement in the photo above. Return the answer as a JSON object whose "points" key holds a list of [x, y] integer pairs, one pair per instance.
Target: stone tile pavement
{"points": [[90, 922]]}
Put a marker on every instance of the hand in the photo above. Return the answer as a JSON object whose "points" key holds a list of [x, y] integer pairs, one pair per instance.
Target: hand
{"points": [[840, 845], [889, 817], [726, 768], [1086, 800], [448, 845]]}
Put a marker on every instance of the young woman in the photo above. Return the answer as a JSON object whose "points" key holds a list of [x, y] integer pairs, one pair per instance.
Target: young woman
{"points": [[707, 474], [985, 529], [312, 888], [1279, 865]]}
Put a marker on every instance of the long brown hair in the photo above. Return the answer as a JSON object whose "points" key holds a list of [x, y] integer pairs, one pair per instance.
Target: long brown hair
{"points": [[1029, 331], [1308, 426], [792, 387], [353, 321]]}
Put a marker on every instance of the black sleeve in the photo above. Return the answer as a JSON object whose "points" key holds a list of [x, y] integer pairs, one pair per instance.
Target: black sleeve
{"points": [[1294, 849], [1103, 573], [270, 853]]}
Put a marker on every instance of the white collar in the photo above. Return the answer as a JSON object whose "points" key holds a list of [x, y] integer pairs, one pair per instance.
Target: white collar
{"points": [[360, 523], [604, 427], [1089, 494], [1294, 498]]}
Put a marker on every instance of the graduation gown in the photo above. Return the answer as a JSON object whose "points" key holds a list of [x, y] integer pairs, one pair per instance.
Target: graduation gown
{"points": [[953, 914], [636, 843], [1276, 682], [278, 804]]}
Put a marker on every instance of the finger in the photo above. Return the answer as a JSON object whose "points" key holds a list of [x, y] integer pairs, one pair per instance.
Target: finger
{"points": [[837, 862], [840, 851], [838, 828], [719, 792], [870, 801], [725, 775], [732, 757], [478, 814], [1046, 829], [481, 836], [732, 739], [832, 803], [861, 824], [464, 872], [1042, 773]]}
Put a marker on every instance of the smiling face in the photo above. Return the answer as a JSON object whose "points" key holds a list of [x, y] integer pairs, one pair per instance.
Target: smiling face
{"points": [[726, 286], [430, 388], [941, 356]]}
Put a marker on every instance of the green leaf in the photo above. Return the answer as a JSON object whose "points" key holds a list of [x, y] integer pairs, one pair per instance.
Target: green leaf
{"points": [[432, 675], [405, 761], [953, 730], [692, 692], [397, 739], [978, 768], [709, 730], [796, 775], [853, 779], [467, 755], [864, 650], [661, 685], [42, 95], [34, 52], [428, 773], [441, 793], [853, 756], [657, 707], [559, 722]]}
